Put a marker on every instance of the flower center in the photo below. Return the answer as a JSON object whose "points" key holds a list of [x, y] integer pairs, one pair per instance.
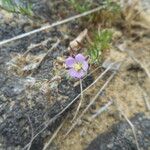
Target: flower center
{"points": [[77, 66]]}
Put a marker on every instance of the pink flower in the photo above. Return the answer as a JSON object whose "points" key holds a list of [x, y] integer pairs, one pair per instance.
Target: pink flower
{"points": [[78, 66]]}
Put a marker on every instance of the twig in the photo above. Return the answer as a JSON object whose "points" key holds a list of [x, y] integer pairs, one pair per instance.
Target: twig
{"points": [[102, 109], [143, 66], [62, 111], [133, 129], [51, 26], [32, 133], [146, 101], [32, 46], [80, 103], [135, 23], [39, 64], [92, 71], [137, 61], [89, 39], [134, 15], [54, 135], [145, 97], [89, 105], [129, 122]]}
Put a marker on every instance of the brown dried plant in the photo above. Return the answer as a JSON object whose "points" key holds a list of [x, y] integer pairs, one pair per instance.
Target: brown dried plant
{"points": [[23, 65]]}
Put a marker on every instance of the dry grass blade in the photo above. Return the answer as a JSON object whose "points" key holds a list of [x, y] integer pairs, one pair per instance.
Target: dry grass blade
{"points": [[142, 65], [133, 129], [102, 109], [140, 24], [135, 13], [129, 122], [123, 47], [32, 133], [93, 100], [75, 43], [39, 64], [32, 46], [51, 26], [23, 65], [54, 135], [92, 71], [146, 99], [130, 11]]}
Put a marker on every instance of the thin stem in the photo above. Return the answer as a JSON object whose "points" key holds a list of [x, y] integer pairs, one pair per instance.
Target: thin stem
{"points": [[81, 88], [101, 110], [133, 130], [32, 132], [32, 46], [54, 135], [129, 122], [45, 56], [81, 100]]}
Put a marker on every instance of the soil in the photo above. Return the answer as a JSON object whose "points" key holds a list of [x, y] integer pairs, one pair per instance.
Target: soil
{"points": [[28, 102]]}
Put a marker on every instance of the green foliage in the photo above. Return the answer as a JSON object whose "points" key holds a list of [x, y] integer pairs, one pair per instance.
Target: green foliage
{"points": [[81, 6], [22, 7], [100, 42], [109, 12], [85, 5], [112, 6]]}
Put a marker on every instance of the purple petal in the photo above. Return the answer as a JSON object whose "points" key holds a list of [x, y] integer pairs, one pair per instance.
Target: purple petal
{"points": [[72, 73], [85, 66], [80, 74], [80, 58], [70, 62], [76, 74]]}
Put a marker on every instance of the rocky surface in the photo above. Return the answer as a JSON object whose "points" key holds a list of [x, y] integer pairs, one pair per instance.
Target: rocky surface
{"points": [[121, 136]]}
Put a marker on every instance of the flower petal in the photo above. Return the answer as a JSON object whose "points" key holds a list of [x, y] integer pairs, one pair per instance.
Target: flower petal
{"points": [[80, 74], [70, 62], [76, 74], [85, 66], [79, 58], [72, 73]]}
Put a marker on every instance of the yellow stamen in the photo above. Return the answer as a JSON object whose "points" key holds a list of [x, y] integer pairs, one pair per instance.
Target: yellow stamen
{"points": [[77, 66]]}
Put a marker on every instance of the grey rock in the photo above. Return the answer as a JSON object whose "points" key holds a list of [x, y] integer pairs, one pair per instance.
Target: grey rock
{"points": [[2, 79], [13, 89], [3, 99], [107, 63], [121, 136]]}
